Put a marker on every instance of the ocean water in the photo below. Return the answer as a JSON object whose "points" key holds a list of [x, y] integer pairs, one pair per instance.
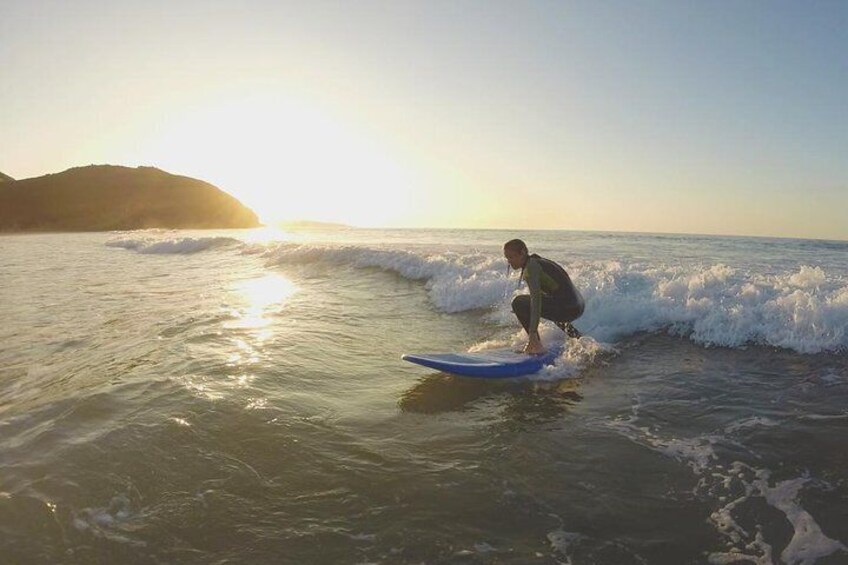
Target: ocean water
{"points": [[238, 397]]}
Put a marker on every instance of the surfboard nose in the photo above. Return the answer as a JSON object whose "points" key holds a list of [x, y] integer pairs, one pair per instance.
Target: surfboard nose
{"points": [[492, 364]]}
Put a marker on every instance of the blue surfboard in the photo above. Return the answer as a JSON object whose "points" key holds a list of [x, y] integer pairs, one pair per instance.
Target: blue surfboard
{"points": [[492, 364]]}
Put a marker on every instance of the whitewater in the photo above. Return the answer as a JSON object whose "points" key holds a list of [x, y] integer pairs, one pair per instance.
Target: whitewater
{"points": [[238, 395]]}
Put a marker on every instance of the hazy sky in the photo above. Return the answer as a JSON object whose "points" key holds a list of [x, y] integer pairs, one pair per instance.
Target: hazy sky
{"points": [[704, 117]]}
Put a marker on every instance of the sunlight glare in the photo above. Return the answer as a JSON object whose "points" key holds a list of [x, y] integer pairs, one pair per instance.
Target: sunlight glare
{"points": [[265, 235], [288, 161], [263, 297]]}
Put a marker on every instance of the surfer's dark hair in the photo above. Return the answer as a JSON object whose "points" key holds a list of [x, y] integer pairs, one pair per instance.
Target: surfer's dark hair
{"points": [[515, 245]]}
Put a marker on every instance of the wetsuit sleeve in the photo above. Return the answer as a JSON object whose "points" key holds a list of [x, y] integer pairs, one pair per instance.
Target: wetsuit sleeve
{"points": [[533, 275]]}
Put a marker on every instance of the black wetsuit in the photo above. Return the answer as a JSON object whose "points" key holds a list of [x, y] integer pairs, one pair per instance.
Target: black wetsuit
{"points": [[552, 295]]}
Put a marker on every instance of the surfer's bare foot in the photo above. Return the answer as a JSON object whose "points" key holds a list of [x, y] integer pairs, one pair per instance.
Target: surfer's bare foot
{"points": [[534, 345]]}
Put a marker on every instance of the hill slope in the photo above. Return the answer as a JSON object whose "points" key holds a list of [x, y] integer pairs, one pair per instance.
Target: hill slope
{"points": [[107, 197]]}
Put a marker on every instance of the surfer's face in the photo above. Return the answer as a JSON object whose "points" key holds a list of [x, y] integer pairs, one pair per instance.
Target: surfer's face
{"points": [[515, 258]]}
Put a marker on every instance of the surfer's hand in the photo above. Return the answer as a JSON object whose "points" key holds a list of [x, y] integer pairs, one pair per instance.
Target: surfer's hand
{"points": [[534, 345]]}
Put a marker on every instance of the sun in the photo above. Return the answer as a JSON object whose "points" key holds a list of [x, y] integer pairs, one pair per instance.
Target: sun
{"points": [[289, 161]]}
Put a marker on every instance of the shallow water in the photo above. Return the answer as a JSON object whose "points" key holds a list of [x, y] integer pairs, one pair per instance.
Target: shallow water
{"points": [[197, 397]]}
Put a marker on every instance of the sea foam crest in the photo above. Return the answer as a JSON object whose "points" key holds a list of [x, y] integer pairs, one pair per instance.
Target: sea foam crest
{"points": [[805, 310], [455, 282], [180, 245]]}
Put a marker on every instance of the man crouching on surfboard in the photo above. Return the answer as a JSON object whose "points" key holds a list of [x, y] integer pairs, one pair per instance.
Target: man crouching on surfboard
{"points": [[552, 295]]}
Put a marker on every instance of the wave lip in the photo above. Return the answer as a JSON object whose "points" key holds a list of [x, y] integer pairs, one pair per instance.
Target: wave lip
{"points": [[714, 305], [455, 282], [175, 246]]}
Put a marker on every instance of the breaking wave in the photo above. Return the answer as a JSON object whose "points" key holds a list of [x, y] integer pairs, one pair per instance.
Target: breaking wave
{"points": [[805, 310], [179, 245]]}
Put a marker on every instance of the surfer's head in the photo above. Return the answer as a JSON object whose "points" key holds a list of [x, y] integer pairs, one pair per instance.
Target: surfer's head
{"points": [[515, 252]]}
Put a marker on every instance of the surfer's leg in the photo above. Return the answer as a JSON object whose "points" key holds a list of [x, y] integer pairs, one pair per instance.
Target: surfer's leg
{"points": [[562, 313], [521, 307], [559, 311]]}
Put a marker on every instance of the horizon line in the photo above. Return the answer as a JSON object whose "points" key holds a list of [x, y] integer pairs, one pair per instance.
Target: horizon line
{"points": [[670, 233]]}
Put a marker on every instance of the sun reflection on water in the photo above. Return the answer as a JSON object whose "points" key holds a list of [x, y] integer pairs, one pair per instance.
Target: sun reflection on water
{"points": [[261, 297], [254, 306]]}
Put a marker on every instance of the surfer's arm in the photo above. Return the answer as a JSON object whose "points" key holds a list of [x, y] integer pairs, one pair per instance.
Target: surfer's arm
{"points": [[533, 272]]}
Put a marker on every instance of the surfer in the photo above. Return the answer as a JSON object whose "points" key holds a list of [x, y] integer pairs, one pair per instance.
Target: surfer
{"points": [[552, 294]]}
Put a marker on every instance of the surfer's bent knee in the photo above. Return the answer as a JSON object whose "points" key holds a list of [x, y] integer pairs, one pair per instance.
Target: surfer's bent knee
{"points": [[520, 302], [581, 307]]}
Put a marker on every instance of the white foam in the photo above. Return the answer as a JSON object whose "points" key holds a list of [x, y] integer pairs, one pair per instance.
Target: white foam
{"points": [[808, 542], [697, 452], [106, 522], [842, 416], [165, 246], [576, 353], [752, 422], [804, 310], [808, 277], [363, 537], [561, 541], [761, 549], [717, 305], [483, 547], [455, 282]]}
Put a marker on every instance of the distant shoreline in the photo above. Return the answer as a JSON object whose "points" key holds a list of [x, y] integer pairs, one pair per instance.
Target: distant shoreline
{"points": [[103, 198]]}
